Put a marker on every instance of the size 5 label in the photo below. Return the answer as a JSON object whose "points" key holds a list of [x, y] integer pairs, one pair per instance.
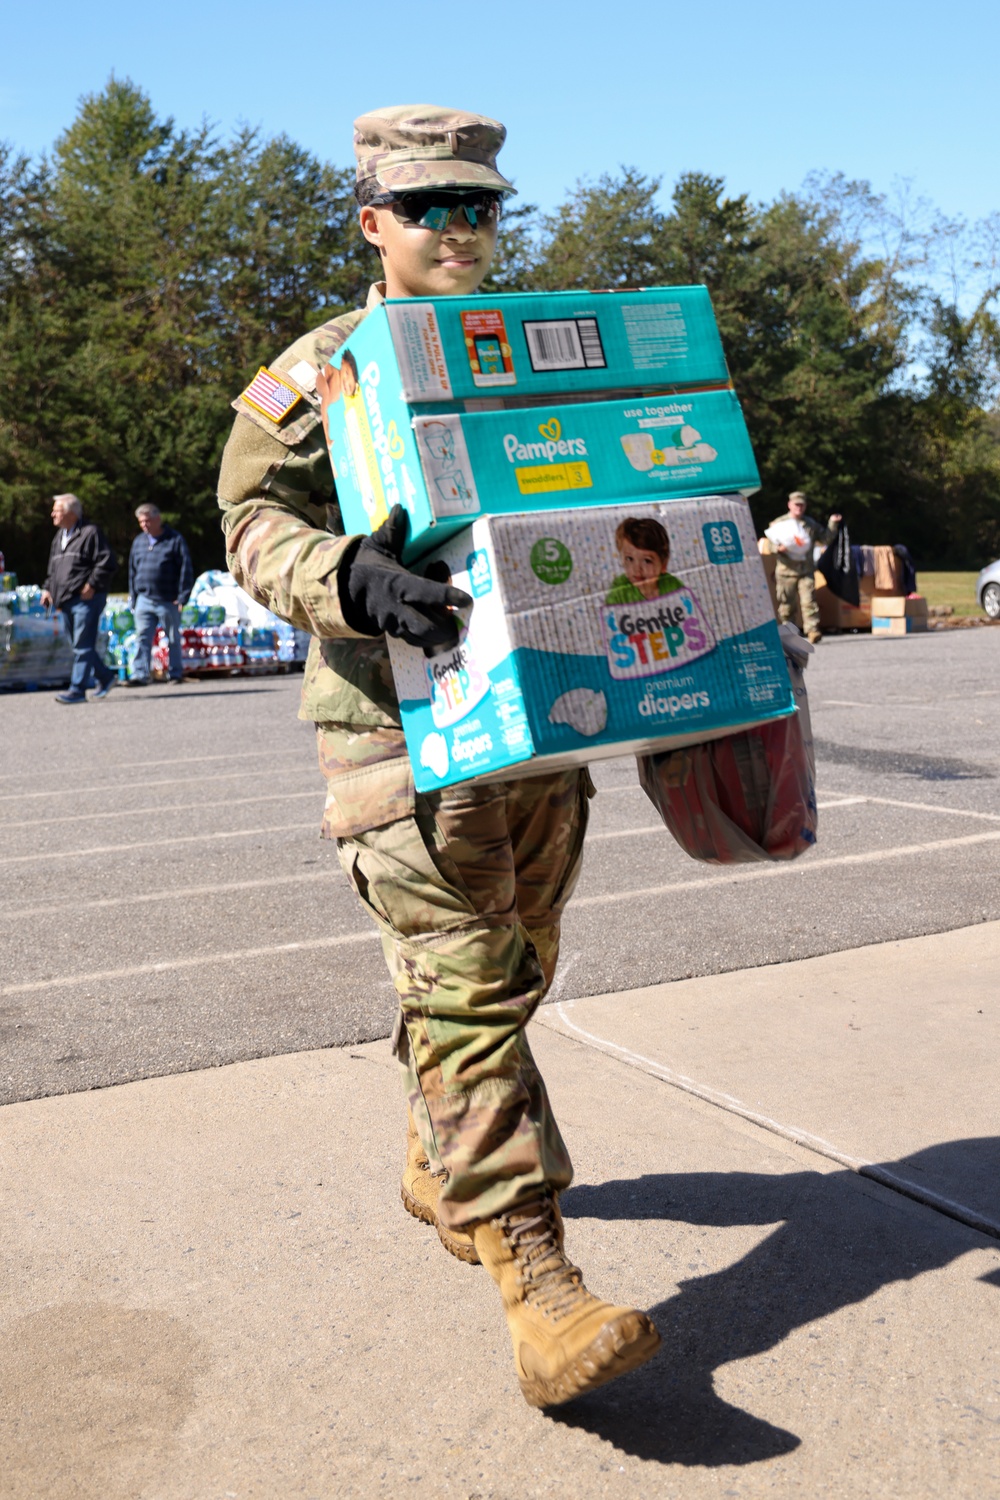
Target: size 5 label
{"points": [[551, 561]]}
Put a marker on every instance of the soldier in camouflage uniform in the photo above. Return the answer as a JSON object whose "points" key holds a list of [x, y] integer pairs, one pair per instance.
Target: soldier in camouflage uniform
{"points": [[467, 885], [795, 577]]}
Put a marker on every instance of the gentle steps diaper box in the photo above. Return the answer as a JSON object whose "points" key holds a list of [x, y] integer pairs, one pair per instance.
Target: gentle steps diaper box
{"points": [[519, 345], [593, 633]]}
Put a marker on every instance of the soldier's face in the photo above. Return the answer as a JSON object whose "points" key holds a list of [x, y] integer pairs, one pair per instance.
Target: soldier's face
{"points": [[421, 262]]}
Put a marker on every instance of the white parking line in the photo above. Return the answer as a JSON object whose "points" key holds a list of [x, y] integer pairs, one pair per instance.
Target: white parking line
{"points": [[624, 833], [942, 703], [188, 891], [765, 872], [847, 800], [170, 965], [190, 760], [756, 873], [181, 893], [169, 807], [774, 872], [144, 786], [187, 838], [317, 792], [182, 760], [935, 807]]}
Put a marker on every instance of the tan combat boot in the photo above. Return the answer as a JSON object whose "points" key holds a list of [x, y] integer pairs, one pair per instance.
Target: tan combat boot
{"points": [[565, 1340], [420, 1190]]}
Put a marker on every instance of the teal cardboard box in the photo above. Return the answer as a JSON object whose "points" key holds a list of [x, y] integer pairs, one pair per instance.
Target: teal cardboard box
{"points": [[593, 633], [523, 345], [543, 458], [559, 354], [450, 467]]}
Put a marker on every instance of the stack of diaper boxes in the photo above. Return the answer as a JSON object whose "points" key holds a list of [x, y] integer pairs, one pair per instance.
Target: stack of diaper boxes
{"points": [[578, 463]]}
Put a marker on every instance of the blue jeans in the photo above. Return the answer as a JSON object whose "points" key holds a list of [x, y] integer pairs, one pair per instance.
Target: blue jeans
{"points": [[81, 617], [148, 614]]}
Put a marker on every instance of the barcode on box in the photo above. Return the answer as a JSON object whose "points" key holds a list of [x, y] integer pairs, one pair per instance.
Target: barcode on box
{"points": [[565, 344]]}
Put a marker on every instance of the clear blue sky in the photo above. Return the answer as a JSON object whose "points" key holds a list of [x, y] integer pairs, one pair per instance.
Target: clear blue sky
{"points": [[760, 94]]}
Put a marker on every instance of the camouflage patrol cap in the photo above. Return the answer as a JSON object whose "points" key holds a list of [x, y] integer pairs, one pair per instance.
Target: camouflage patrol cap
{"points": [[411, 146]]}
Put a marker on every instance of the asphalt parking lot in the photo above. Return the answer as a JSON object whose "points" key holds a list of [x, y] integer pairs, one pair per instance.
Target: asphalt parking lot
{"points": [[168, 906]]}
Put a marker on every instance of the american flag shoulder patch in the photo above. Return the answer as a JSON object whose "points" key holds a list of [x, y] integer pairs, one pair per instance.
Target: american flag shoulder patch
{"points": [[270, 395]]}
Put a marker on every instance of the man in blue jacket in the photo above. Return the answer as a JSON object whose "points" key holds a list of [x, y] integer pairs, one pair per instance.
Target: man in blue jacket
{"points": [[159, 582]]}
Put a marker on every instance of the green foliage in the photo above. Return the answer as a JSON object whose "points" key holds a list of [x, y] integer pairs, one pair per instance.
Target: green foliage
{"points": [[147, 271], [605, 235], [515, 256]]}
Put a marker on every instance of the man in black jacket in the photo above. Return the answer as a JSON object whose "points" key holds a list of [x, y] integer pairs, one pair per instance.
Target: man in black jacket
{"points": [[81, 565], [160, 576]]}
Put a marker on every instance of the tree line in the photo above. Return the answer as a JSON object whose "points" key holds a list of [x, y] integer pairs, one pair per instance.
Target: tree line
{"points": [[147, 271]]}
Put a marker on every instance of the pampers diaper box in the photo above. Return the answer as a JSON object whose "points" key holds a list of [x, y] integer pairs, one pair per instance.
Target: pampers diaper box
{"points": [[593, 633], [450, 467], [545, 457], [419, 411]]}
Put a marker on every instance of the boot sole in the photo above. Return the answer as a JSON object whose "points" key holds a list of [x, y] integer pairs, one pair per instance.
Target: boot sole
{"points": [[622, 1345], [455, 1247]]}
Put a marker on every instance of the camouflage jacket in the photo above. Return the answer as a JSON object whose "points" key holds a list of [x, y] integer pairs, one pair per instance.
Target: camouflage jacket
{"points": [[284, 545]]}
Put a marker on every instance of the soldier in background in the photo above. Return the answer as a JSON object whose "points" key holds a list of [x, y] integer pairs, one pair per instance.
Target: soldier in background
{"points": [[467, 885], [794, 536]]}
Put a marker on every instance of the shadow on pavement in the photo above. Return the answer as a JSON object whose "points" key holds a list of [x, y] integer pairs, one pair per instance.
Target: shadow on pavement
{"points": [[835, 1246], [901, 763]]}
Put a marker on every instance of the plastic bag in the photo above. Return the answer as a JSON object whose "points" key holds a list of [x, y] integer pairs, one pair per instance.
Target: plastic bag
{"points": [[748, 796], [837, 567]]}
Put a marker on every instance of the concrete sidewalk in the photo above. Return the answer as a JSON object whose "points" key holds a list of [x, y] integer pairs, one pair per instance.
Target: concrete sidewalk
{"points": [[211, 1289]]}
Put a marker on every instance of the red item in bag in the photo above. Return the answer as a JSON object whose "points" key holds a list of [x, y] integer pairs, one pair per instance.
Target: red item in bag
{"points": [[748, 796]]}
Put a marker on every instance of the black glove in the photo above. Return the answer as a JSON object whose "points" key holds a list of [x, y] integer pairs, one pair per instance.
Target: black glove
{"points": [[379, 596]]}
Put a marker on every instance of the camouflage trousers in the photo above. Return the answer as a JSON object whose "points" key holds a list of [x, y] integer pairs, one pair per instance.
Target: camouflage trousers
{"points": [[796, 599], [468, 895]]}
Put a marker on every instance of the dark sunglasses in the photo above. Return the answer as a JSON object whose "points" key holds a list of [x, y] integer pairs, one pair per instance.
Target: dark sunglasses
{"points": [[435, 210]]}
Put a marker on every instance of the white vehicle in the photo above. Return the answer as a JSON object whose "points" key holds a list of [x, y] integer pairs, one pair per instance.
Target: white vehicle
{"points": [[988, 590]]}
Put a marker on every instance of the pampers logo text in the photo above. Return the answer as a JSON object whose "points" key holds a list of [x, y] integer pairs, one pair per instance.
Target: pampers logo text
{"points": [[385, 438], [553, 446], [657, 635]]}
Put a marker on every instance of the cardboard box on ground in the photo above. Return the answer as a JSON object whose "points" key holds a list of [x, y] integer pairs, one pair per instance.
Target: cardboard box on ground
{"points": [[458, 407], [873, 603], [835, 614], [563, 660], [898, 624], [898, 606]]}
